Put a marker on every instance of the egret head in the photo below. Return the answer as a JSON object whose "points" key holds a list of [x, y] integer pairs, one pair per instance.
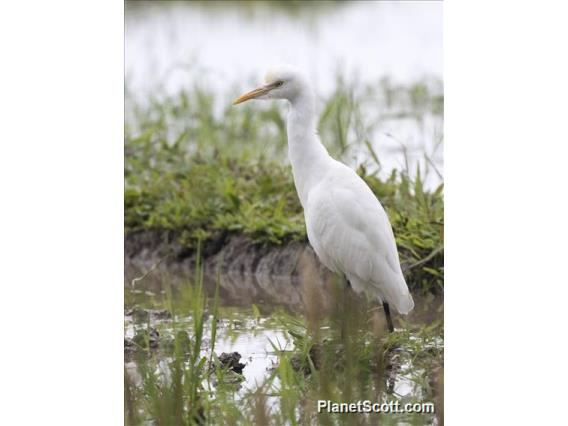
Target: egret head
{"points": [[283, 82]]}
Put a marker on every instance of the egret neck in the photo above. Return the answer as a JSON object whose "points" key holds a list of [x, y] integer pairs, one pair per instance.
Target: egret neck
{"points": [[309, 158]]}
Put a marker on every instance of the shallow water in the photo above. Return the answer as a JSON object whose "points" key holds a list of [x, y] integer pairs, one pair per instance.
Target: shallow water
{"points": [[230, 45], [248, 336], [252, 332], [227, 48]]}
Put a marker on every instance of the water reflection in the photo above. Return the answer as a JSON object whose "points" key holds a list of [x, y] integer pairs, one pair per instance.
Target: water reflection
{"points": [[295, 293]]}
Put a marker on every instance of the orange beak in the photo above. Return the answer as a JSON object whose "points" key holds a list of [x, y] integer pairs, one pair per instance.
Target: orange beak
{"points": [[252, 94]]}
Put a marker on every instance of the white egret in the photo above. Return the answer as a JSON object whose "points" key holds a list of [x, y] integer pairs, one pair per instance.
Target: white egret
{"points": [[346, 224]]}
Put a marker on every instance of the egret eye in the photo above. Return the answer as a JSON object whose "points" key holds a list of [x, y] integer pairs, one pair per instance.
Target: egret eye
{"points": [[279, 83]]}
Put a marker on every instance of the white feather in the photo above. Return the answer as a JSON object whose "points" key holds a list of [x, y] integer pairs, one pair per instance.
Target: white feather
{"points": [[351, 234]]}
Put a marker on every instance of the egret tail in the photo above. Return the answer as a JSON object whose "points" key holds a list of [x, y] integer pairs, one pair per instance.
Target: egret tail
{"points": [[404, 303]]}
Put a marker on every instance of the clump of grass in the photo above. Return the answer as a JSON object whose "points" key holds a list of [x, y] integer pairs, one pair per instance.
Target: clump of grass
{"points": [[254, 199], [349, 357], [171, 389], [417, 217]]}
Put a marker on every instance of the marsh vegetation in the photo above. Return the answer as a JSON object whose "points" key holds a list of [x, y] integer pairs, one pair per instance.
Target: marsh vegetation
{"points": [[199, 174]]}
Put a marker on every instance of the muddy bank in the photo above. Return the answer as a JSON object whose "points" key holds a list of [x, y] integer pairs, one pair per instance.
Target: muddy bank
{"points": [[224, 255]]}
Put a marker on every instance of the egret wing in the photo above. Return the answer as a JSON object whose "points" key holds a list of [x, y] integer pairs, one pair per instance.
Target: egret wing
{"points": [[351, 233]]}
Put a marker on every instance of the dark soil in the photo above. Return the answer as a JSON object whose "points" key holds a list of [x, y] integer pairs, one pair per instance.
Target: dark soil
{"points": [[231, 361], [225, 254]]}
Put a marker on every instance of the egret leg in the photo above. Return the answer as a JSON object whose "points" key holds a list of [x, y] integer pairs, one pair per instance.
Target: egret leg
{"points": [[388, 315], [345, 308]]}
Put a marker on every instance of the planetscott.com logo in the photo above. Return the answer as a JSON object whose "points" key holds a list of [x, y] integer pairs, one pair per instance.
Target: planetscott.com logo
{"points": [[374, 407]]}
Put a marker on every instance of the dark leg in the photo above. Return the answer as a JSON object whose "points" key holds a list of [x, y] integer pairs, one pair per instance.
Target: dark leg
{"points": [[388, 315], [345, 309]]}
